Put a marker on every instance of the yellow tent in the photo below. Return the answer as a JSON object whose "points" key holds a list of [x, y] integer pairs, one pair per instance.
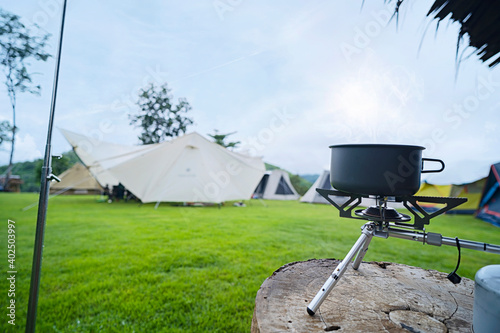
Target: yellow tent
{"points": [[471, 191], [433, 190]]}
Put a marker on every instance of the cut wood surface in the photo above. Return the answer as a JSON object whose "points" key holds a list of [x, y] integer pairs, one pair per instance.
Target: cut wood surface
{"points": [[378, 297]]}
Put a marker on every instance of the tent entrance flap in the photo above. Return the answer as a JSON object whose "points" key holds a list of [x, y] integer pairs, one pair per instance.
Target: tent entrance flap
{"points": [[259, 191], [283, 187], [276, 185]]}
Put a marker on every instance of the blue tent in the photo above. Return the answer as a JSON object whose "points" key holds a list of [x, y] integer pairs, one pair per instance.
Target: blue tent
{"points": [[489, 206]]}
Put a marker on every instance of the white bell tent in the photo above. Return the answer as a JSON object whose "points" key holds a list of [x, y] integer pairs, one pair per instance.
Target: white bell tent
{"points": [[189, 168], [276, 185], [98, 156]]}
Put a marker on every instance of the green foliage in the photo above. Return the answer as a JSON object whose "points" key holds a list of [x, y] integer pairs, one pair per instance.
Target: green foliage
{"points": [[17, 46], [300, 184], [158, 118], [270, 167], [31, 172], [124, 267], [220, 139], [4, 129], [310, 178]]}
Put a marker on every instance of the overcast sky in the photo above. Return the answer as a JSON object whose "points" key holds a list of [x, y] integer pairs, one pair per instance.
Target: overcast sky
{"points": [[291, 77]]}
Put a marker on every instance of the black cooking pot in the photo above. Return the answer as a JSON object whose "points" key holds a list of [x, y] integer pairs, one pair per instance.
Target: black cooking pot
{"points": [[376, 169]]}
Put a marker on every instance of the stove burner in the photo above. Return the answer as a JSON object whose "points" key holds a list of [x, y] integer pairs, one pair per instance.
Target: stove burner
{"points": [[384, 214]]}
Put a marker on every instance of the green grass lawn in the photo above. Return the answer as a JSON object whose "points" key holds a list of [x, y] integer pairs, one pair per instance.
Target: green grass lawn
{"points": [[123, 267]]}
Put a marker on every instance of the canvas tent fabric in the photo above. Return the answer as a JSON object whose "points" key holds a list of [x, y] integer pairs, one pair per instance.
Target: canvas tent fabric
{"points": [[76, 180], [98, 156], [186, 169], [275, 185], [489, 206]]}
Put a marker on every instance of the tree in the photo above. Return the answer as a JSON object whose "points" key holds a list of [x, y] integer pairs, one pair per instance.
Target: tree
{"points": [[4, 131], [17, 47], [478, 19], [220, 138], [158, 117]]}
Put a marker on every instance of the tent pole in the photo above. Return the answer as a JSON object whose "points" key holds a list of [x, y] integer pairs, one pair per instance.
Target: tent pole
{"points": [[47, 176]]}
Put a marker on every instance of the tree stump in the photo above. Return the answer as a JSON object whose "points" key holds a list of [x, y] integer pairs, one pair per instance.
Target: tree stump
{"points": [[378, 297]]}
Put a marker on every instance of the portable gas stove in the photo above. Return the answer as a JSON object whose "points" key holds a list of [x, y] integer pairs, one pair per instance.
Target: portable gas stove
{"points": [[385, 221]]}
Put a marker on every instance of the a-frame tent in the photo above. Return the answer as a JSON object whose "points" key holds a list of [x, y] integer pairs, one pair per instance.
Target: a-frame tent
{"points": [[322, 182], [76, 180], [312, 196], [489, 206], [275, 185]]}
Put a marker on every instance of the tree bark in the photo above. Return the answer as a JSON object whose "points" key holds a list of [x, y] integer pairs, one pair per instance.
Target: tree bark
{"points": [[378, 297]]}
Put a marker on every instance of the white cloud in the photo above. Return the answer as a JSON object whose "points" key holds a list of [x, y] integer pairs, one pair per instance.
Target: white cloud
{"points": [[26, 149]]}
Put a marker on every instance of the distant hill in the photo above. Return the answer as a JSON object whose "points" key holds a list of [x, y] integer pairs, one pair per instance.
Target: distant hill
{"points": [[310, 178], [300, 183], [270, 167]]}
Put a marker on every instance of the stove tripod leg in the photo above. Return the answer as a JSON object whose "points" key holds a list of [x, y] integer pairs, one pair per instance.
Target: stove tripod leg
{"points": [[361, 245], [361, 253]]}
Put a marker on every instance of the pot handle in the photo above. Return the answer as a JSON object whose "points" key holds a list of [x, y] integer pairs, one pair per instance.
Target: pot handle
{"points": [[432, 160]]}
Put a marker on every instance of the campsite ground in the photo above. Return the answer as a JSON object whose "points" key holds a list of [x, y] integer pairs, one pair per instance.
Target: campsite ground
{"points": [[125, 267]]}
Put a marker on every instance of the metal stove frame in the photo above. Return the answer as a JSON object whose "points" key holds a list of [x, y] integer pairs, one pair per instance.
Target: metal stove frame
{"points": [[383, 228]]}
